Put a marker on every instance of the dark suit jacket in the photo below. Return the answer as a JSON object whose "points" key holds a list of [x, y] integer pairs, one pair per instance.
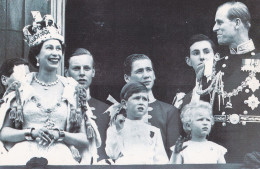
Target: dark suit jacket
{"points": [[102, 121]]}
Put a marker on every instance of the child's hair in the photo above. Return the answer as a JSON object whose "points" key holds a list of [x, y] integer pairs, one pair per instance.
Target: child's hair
{"points": [[130, 88], [187, 113]]}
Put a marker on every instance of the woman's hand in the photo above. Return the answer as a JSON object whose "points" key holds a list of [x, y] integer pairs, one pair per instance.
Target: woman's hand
{"points": [[42, 135], [75, 153], [54, 134]]}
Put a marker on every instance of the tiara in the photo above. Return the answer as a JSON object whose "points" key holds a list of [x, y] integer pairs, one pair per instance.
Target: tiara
{"points": [[41, 30]]}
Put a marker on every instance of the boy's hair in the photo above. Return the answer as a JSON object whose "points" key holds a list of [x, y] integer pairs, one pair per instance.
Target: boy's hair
{"points": [[130, 88], [129, 61], [187, 113], [198, 38]]}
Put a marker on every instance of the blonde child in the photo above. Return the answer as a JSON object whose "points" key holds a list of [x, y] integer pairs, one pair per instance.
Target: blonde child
{"points": [[197, 120]]}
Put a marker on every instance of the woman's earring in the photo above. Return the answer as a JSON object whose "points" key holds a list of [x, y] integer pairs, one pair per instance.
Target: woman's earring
{"points": [[37, 64]]}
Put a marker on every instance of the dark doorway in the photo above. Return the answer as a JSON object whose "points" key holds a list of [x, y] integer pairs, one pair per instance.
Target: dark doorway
{"points": [[113, 29]]}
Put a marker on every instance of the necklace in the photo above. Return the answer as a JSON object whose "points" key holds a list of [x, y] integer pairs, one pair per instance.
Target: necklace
{"points": [[46, 85], [49, 122]]}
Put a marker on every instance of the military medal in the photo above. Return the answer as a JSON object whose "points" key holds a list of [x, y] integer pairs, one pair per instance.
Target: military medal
{"points": [[253, 84], [252, 102], [251, 65]]}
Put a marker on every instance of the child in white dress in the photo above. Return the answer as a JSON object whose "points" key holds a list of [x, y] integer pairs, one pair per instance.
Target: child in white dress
{"points": [[130, 140], [197, 121]]}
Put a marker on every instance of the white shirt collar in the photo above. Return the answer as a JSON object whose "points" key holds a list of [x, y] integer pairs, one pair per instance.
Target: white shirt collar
{"points": [[195, 96], [88, 94], [243, 48]]}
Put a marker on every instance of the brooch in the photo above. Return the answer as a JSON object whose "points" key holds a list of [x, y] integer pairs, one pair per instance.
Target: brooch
{"points": [[253, 84], [252, 102]]}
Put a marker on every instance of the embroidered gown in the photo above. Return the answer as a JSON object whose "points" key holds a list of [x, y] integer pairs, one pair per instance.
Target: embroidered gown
{"points": [[37, 115]]}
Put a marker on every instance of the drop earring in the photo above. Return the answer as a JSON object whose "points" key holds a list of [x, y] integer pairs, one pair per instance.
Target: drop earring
{"points": [[37, 64]]}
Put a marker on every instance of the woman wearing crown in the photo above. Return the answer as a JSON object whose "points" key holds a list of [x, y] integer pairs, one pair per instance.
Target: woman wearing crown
{"points": [[43, 115]]}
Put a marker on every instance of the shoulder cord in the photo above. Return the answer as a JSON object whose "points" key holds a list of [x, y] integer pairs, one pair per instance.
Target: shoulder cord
{"points": [[79, 112], [16, 112]]}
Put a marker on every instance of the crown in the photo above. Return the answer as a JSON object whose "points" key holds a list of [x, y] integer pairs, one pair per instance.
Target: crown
{"points": [[41, 30]]}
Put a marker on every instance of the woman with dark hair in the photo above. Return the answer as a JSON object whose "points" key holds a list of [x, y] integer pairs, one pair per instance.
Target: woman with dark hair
{"points": [[130, 140], [8, 71], [44, 115]]}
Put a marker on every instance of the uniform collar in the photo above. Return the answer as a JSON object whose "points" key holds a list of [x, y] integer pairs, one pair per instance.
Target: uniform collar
{"points": [[243, 48]]}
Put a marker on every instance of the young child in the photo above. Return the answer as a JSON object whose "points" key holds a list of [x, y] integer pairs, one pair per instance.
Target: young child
{"points": [[130, 140], [197, 121]]}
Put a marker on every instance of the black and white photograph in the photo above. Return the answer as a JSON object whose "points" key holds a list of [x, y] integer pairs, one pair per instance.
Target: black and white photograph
{"points": [[130, 84]]}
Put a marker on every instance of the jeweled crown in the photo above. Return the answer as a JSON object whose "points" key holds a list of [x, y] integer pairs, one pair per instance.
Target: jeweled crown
{"points": [[41, 30]]}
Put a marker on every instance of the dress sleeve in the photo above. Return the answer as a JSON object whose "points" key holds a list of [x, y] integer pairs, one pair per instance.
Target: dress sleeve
{"points": [[160, 154], [221, 153], [114, 143]]}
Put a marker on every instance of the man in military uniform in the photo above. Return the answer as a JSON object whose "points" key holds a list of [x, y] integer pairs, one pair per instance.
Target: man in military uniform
{"points": [[81, 67], [138, 67], [238, 103]]}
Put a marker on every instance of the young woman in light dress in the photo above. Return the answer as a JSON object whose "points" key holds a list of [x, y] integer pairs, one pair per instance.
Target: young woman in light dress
{"points": [[42, 118]]}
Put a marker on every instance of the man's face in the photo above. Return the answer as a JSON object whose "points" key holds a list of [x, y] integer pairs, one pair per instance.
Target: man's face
{"points": [[81, 69], [200, 52], [142, 71], [136, 105], [225, 28]]}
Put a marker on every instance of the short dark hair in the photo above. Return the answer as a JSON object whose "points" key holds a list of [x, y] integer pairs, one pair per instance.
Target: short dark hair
{"points": [[7, 67], [77, 52], [131, 88], [35, 50], [238, 10], [198, 38], [129, 61]]}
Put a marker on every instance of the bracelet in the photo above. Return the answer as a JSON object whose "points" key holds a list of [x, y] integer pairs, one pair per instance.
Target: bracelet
{"points": [[61, 134], [28, 134]]}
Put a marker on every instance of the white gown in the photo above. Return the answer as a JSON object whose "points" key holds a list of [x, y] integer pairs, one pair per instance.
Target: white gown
{"points": [[136, 143], [206, 152], [37, 116]]}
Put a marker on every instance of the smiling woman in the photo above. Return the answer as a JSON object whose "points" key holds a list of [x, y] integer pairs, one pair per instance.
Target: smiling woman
{"points": [[45, 120]]}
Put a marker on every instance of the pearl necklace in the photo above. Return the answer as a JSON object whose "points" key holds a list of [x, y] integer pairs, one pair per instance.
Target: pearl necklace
{"points": [[45, 85]]}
